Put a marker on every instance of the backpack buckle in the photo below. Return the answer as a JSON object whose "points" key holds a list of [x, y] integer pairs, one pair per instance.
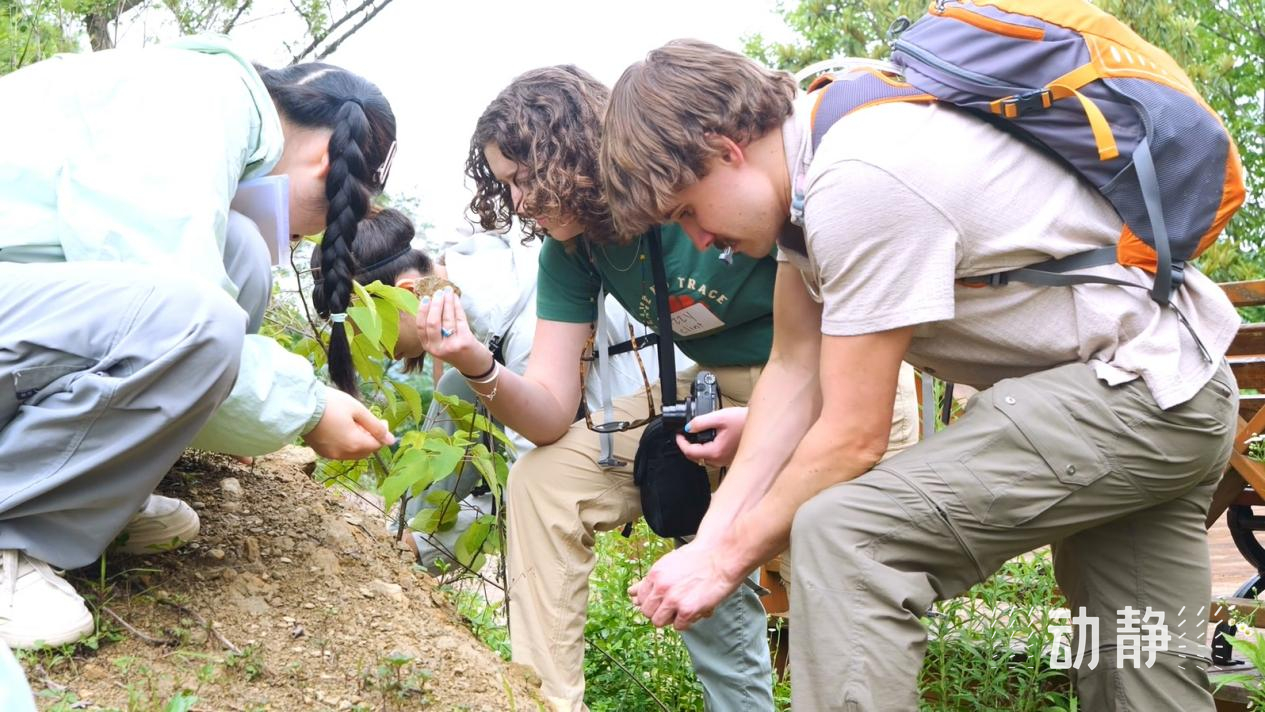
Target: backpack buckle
{"points": [[1013, 107]]}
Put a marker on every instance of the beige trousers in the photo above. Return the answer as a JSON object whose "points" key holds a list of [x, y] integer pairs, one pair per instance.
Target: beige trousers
{"points": [[558, 498], [1117, 485]]}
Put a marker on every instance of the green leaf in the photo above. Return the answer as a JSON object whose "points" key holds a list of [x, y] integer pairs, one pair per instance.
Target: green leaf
{"points": [[446, 457], [362, 295], [412, 471], [367, 322], [441, 516], [481, 458], [402, 299], [456, 407], [411, 397], [390, 320], [470, 543], [182, 702], [366, 357]]}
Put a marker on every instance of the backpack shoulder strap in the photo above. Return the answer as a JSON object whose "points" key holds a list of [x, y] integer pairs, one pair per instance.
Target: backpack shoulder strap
{"points": [[839, 96], [836, 98]]}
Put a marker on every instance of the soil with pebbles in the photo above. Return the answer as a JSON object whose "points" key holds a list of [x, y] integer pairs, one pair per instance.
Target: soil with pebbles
{"points": [[325, 611]]}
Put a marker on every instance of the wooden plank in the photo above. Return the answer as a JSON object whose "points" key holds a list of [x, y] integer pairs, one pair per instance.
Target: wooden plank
{"points": [[1249, 498], [1248, 429], [1246, 609], [1249, 341], [1251, 470], [1228, 490], [1249, 371], [777, 603], [1231, 697], [1250, 406], [1245, 294]]}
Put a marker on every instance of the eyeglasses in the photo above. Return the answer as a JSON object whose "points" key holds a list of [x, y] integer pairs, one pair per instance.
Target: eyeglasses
{"points": [[615, 426]]}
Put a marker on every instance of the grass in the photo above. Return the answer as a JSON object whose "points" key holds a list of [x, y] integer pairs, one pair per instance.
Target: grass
{"points": [[986, 649]]}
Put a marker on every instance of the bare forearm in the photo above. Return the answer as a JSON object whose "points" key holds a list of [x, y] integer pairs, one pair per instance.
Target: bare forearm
{"points": [[784, 405], [527, 407], [825, 457]]}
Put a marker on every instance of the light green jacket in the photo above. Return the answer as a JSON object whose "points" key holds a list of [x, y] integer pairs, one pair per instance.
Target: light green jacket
{"points": [[133, 156]]}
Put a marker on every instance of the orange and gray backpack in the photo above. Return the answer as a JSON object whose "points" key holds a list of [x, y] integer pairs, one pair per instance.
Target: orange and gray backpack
{"points": [[1077, 80]]}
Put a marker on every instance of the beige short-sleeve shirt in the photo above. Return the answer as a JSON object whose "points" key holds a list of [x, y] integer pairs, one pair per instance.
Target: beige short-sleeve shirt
{"points": [[902, 200]]}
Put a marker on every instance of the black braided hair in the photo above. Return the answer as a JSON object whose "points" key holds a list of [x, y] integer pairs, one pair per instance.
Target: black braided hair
{"points": [[317, 95]]}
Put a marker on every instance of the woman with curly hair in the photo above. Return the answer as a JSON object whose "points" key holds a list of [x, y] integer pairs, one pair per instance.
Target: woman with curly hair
{"points": [[534, 154]]}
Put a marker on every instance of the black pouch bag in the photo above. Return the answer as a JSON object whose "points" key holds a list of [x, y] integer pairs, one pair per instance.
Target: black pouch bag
{"points": [[675, 491]]}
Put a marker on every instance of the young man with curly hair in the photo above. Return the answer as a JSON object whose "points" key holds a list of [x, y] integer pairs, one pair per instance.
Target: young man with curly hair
{"points": [[1102, 427], [534, 154]]}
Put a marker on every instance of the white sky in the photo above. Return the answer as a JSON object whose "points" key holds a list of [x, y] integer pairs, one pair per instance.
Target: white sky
{"points": [[440, 63]]}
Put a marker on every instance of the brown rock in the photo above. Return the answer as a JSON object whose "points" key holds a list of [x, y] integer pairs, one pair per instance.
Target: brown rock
{"points": [[325, 562]]}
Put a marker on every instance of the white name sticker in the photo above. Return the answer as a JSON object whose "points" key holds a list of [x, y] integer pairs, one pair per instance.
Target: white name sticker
{"points": [[694, 319]]}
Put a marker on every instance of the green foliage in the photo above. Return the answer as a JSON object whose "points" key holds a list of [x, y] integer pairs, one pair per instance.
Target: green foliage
{"points": [[31, 30], [988, 648], [621, 641], [397, 679], [421, 457], [1220, 44], [1253, 650]]}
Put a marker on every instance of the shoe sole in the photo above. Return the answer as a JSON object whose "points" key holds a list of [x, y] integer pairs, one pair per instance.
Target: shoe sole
{"points": [[81, 630], [173, 540]]}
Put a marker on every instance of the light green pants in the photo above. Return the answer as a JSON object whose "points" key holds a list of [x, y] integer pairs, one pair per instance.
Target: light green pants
{"points": [[1118, 486]]}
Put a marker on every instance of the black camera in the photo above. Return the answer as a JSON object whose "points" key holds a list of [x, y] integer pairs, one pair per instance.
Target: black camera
{"points": [[704, 398]]}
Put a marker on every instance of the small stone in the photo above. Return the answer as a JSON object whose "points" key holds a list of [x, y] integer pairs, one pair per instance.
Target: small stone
{"points": [[250, 548], [392, 591], [325, 562], [231, 488], [231, 506], [199, 505], [286, 560], [217, 554], [366, 593], [309, 606]]}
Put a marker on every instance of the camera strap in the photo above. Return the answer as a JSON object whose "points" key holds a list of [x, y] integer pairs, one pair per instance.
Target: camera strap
{"points": [[667, 355]]}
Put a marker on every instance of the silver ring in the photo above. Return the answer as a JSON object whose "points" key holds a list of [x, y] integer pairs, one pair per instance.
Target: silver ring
{"points": [[445, 332]]}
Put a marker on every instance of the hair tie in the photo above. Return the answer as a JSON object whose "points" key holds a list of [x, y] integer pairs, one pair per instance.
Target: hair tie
{"points": [[338, 318], [385, 261]]}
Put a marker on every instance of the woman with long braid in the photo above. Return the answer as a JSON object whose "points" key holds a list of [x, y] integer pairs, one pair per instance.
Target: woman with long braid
{"points": [[130, 294]]}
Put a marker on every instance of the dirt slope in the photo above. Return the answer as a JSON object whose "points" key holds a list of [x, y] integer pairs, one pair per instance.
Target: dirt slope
{"points": [[323, 611]]}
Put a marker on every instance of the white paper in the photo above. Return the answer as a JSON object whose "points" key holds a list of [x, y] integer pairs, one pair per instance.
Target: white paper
{"points": [[694, 319], [266, 201]]}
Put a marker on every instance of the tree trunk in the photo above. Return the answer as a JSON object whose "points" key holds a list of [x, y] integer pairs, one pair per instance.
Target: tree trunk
{"points": [[98, 23]]}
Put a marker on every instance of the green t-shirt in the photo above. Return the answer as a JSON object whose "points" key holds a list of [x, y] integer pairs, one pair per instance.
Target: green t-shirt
{"points": [[722, 314]]}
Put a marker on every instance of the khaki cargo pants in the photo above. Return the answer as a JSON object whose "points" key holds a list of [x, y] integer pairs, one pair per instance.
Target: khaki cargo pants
{"points": [[1118, 486], [558, 498]]}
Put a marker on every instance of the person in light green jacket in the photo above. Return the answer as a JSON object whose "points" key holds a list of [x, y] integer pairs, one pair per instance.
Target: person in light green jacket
{"points": [[129, 294]]}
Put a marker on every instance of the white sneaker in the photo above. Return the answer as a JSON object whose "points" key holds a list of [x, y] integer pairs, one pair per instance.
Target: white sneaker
{"points": [[38, 606], [164, 524]]}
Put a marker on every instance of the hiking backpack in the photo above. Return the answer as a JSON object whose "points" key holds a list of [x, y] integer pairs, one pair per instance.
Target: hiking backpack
{"points": [[1115, 108]]}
